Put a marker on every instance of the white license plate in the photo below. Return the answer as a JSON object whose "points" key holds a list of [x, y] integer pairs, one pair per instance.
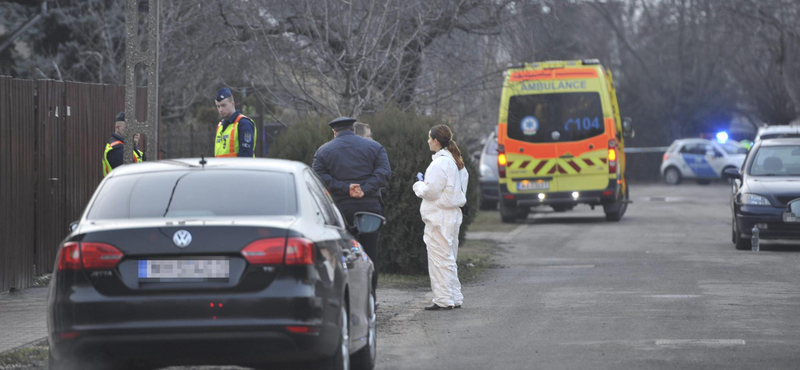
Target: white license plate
{"points": [[789, 217], [184, 269], [533, 185]]}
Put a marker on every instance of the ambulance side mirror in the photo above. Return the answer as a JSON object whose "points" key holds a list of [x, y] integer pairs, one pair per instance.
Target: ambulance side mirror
{"points": [[627, 127]]}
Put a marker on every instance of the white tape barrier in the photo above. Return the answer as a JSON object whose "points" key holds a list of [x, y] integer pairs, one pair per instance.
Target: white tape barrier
{"points": [[659, 149]]}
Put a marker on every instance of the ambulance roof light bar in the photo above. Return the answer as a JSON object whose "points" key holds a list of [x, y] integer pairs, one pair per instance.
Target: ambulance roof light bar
{"points": [[590, 62]]}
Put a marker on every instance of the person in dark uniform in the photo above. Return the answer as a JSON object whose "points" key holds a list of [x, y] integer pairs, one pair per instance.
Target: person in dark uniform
{"points": [[113, 154], [354, 170], [236, 133]]}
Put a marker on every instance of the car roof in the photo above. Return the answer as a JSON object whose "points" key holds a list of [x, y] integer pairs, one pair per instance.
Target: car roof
{"points": [[780, 141], [264, 164]]}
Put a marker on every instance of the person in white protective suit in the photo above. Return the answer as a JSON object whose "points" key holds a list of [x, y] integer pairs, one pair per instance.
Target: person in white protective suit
{"points": [[443, 191]]}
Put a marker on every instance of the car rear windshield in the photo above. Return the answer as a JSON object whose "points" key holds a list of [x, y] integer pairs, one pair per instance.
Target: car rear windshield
{"points": [[548, 118], [181, 194], [776, 161]]}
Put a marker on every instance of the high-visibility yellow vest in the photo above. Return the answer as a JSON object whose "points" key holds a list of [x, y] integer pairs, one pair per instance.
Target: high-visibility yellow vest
{"points": [[106, 165], [227, 142], [137, 156]]}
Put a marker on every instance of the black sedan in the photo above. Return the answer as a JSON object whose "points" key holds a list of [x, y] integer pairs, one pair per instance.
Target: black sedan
{"points": [[215, 262], [768, 182]]}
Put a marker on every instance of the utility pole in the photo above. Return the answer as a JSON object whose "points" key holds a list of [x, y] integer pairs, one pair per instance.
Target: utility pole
{"points": [[148, 59]]}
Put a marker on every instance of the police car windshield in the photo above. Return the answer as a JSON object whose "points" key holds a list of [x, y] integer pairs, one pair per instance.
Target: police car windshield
{"points": [[776, 161], [547, 118], [196, 194]]}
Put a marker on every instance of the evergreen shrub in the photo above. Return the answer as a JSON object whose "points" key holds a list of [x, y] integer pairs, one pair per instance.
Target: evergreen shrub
{"points": [[404, 135]]}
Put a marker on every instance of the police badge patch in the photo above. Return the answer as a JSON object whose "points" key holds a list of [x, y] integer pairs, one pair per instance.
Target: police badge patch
{"points": [[248, 137]]}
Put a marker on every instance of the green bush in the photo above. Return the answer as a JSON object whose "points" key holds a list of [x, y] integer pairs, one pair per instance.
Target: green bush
{"points": [[404, 135]]}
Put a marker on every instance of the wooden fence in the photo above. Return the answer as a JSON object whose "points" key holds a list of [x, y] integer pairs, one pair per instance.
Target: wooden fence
{"points": [[52, 136]]}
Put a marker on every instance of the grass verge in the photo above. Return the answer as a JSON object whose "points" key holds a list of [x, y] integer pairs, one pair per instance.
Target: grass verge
{"points": [[474, 257], [490, 221], [32, 356]]}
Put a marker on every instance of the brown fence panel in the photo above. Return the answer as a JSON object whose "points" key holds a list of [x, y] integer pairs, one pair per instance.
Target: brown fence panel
{"points": [[17, 132], [51, 178]]}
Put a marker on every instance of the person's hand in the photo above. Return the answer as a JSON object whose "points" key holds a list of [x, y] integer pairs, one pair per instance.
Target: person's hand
{"points": [[420, 177], [355, 191]]}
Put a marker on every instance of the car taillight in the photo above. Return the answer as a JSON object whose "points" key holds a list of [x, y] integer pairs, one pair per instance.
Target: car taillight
{"points": [[99, 256], [299, 251], [70, 257], [89, 256], [501, 161], [612, 156], [265, 251], [666, 156]]}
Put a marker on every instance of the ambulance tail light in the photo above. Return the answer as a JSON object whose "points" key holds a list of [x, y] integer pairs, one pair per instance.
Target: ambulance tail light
{"points": [[612, 156], [501, 161]]}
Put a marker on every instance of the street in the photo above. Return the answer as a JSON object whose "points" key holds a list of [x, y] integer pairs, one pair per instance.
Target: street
{"points": [[663, 288]]}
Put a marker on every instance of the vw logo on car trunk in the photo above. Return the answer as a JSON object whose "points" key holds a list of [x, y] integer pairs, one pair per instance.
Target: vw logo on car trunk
{"points": [[182, 238]]}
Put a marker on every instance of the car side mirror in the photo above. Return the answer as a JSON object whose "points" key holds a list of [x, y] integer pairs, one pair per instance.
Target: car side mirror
{"points": [[367, 222], [627, 127], [732, 173], [794, 207], [73, 226]]}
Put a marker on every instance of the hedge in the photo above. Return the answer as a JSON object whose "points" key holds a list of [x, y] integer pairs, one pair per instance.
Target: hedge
{"points": [[404, 135]]}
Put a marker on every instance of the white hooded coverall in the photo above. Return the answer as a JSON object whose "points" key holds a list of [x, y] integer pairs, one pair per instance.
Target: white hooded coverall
{"points": [[443, 192]]}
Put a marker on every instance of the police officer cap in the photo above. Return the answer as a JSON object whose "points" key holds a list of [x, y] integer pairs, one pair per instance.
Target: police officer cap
{"points": [[342, 121], [223, 93], [120, 116]]}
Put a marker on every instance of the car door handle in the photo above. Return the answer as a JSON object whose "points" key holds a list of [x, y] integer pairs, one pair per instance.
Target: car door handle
{"points": [[567, 156]]}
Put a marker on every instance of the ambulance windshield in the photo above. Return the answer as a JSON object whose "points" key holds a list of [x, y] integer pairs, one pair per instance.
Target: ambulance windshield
{"points": [[550, 118]]}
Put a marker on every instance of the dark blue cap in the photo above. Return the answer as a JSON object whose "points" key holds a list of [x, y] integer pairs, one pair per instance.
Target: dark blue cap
{"points": [[223, 93], [120, 116], [342, 121]]}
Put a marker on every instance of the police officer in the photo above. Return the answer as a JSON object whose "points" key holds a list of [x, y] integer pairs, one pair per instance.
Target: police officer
{"points": [[236, 133], [138, 154], [112, 157], [354, 170]]}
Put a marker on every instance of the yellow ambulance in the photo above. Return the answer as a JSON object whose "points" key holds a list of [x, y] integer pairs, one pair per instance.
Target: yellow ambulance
{"points": [[561, 139]]}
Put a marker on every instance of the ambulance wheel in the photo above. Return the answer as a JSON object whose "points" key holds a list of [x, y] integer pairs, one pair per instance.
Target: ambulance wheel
{"points": [[522, 212], [616, 210], [672, 176], [508, 212], [703, 182]]}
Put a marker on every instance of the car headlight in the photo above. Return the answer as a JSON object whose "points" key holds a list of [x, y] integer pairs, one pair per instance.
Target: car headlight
{"points": [[755, 200]]}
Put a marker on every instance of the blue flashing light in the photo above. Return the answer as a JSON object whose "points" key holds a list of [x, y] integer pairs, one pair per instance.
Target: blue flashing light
{"points": [[722, 137]]}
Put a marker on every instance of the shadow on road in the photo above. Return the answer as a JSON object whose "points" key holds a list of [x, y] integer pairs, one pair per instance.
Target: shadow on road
{"points": [[767, 247], [562, 220]]}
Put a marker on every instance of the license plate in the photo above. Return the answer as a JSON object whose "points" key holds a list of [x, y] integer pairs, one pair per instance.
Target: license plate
{"points": [[789, 217], [184, 269], [533, 185]]}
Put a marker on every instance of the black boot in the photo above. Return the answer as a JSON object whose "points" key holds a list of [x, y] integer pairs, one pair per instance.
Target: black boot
{"points": [[435, 307]]}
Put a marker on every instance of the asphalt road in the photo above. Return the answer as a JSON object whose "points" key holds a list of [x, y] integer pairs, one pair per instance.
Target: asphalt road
{"points": [[662, 289]]}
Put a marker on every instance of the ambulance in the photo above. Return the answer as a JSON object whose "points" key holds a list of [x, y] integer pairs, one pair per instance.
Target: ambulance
{"points": [[560, 140]]}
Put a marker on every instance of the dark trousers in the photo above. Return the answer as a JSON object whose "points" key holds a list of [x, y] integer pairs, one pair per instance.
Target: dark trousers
{"points": [[368, 241]]}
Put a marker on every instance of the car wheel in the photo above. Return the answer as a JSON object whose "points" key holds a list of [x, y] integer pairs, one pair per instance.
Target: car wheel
{"points": [[341, 358], [703, 182], [488, 205], [364, 359], [508, 213], [740, 243], [672, 176]]}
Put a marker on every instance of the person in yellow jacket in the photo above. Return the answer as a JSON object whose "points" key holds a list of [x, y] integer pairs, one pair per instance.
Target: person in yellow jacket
{"points": [[138, 154], [236, 133], [112, 156]]}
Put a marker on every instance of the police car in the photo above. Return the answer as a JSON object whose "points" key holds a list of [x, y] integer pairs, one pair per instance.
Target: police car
{"points": [[700, 159]]}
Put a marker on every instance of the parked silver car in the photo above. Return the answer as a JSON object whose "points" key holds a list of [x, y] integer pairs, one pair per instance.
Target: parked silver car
{"points": [[488, 173]]}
